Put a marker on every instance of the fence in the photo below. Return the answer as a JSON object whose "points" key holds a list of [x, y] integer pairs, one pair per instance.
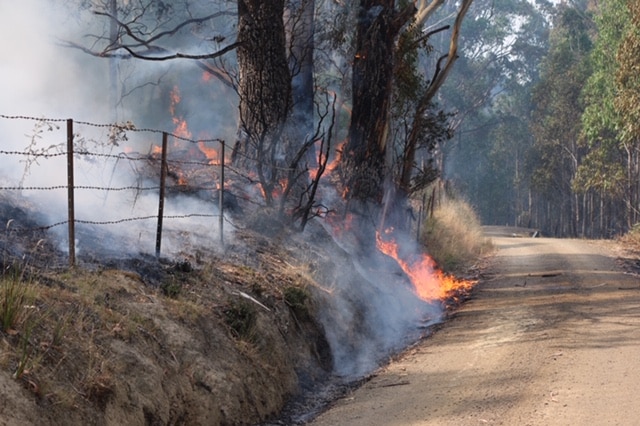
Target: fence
{"points": [[159, 158]]}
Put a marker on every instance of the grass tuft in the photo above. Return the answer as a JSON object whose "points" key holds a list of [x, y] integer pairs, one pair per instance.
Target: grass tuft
{"points": [[453, 236], [241, 318], [16, 298]]}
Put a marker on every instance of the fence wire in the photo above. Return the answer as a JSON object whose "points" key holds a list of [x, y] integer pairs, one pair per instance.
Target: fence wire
{"points": [[117, 134]]}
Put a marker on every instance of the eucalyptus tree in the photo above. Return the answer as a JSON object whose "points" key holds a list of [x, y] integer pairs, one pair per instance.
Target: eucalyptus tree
{"points": [[383, 29], [605, 177], [488, 95], [626, 103], [267, 50], [555, 123]]}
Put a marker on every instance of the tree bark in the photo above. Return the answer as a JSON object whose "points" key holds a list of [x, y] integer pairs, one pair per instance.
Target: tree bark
{"points": [[363, 159], [264, 89]]}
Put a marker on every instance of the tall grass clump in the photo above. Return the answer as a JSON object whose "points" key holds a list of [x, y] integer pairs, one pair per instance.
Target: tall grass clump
{"points": [[453, 235], [632, 238], [16, 297]]}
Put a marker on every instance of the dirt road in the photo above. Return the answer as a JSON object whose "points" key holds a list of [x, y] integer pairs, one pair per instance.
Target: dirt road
{"points": [[551, 337]]}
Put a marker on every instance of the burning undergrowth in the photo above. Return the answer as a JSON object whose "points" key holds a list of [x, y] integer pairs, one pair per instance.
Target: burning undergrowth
{"points": [[351, 294], [341, 305]]}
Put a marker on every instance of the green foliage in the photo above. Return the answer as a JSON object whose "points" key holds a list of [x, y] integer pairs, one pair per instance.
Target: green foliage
{"points": [[555, 122], [503, 43], [627, 100], [600, 119], [601, 170]]}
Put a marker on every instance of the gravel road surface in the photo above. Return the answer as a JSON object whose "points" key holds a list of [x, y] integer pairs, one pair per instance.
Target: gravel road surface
{"points": [[551, 336]]}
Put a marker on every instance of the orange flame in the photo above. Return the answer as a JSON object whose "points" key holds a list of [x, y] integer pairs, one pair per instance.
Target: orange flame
{"points": [[175, 98], [429, 282], [210, 152], [181, 130]]}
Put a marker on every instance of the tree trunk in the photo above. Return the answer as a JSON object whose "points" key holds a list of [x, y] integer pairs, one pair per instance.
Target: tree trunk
{"points": [[264, 90], [300, 29], [363, 159]]}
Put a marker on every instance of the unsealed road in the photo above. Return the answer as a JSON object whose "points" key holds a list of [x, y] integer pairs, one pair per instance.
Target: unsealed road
{"points": [[551, 337]]}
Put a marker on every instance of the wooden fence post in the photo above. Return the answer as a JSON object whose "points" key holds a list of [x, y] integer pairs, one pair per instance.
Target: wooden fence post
{"points": [[163, 178], [70, 199], [221, 201]]}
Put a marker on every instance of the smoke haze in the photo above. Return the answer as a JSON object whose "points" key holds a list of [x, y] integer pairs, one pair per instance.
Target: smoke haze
{"points": [[369, 309]]}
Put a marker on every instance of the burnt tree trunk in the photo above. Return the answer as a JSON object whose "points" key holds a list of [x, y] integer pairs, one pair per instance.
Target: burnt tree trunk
{"points": [[264, 88], [363, 159], [300, 29]]}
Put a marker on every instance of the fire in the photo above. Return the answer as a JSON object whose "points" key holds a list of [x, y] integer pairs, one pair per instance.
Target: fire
{"points": [[429, 282], [182, 180], [181, 129], [175, 98], [210, 152], [331, 166]]}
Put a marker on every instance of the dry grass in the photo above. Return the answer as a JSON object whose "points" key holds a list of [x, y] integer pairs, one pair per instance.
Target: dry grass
{"points": [[631, 240], [453, 236]]}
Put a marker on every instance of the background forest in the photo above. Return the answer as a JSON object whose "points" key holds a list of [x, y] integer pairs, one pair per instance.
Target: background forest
{"points": [[553, 143]]}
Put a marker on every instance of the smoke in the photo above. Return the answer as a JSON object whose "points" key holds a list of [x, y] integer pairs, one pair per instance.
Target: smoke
{"points": [[369, 308], [39, 76], [42, 77]]}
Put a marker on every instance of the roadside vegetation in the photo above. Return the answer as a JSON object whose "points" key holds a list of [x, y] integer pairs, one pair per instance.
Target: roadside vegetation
{"points": [[453, 235], [152, 345], [631, 240]]}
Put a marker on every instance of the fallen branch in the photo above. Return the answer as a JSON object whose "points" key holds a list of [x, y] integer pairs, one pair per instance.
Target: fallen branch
{"points": [[246, 296]]}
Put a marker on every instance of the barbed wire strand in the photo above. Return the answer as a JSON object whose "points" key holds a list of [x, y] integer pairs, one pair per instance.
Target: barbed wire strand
{"points": [[128, 127]]}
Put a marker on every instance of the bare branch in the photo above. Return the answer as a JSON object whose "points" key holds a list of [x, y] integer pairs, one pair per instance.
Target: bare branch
{"points": [[163, 33], [179, 55], [425, 11]]}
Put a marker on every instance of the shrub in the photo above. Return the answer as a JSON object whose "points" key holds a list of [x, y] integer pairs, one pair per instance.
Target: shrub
{"points": [[296, 298]]}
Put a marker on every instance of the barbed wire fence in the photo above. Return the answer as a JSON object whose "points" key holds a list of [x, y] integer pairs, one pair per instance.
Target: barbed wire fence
{"points": [[104, 149]]}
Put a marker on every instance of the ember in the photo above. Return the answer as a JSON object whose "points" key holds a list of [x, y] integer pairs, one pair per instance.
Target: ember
{"points": [[430, 283]]}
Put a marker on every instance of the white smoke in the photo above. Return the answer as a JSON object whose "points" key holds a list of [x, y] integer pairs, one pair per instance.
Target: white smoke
{"points": [[371, 310], [42, 77]]}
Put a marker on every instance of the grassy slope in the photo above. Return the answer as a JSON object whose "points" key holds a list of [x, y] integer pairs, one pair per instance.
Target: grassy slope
{"points": [[211, 343]]}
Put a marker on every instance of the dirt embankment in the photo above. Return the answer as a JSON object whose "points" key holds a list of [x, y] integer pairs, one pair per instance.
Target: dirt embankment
{"points": [[200, 341], [550, 337]]}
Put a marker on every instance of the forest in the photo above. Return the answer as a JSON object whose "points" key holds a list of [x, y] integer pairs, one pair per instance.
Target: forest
{"points": [[525, 109]]}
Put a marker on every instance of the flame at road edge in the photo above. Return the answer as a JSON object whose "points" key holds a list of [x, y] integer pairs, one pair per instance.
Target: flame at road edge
{"points": [[430, 283]]}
